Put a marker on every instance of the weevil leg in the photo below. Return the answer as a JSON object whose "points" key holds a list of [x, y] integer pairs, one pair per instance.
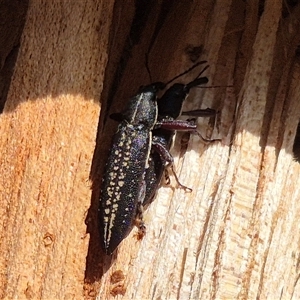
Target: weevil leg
{"points": [[139, 222], [208, 112], [206, 141], [177, 125], [186, 188], [183, 126], [167, 177], [168, 161]]}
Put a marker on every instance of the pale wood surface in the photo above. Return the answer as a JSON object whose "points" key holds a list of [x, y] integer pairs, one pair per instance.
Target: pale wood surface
{"points": [[236, 236]]}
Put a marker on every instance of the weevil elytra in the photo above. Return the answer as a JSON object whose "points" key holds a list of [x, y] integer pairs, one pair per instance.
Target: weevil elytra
{"points": [[124, 185], [123, 181]]}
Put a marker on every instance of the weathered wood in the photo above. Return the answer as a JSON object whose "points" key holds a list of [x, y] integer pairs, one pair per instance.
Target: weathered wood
{"points": [[48, 131], [230, 238], [235, 236]]}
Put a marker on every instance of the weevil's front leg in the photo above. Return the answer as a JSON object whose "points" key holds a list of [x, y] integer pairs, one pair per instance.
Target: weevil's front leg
{"points": [[183, 126]]}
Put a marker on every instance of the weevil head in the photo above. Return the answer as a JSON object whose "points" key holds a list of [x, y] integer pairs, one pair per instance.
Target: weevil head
{"points": [[170, 104]]}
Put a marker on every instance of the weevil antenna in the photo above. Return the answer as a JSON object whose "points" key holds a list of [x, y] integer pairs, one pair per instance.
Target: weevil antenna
{"points": [[202, 71], [188, 70], [208, 87]]}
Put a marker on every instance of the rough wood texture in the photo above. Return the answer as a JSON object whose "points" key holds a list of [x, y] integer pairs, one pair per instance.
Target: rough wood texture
{"points": [[236, 236], [48, 131]]}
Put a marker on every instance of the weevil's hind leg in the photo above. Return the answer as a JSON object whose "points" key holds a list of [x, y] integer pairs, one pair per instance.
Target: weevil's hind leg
{"points": [[180, 185], [167, 177], [206, 141], [168, 161], [139, 222]]}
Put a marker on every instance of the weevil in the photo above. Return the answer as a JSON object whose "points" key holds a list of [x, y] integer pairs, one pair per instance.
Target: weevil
{"points": [[123, 181], [123, 186], [169, 109]]}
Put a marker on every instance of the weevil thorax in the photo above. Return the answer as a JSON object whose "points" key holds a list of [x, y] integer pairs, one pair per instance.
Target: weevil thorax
{"points": [[142, 108]]}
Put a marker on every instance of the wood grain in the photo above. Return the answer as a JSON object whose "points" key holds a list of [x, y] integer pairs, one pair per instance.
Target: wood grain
{"points": [[48, 136], [236, 235]]}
